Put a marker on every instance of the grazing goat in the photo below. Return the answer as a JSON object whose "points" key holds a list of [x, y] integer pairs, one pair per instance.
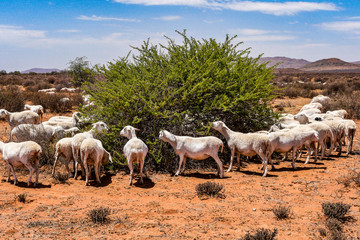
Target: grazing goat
{"points": [[247, 144], [16, 118], [36, 132], [135, 151], [63, 148], [22, 154], [93, 153], [36, 109], [197, 148]]}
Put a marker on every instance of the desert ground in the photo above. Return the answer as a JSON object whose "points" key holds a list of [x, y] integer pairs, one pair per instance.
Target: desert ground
{"points": [[167, 207]]}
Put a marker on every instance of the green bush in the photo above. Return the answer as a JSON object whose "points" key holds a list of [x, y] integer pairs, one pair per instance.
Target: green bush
{"points": [[181, 88]]}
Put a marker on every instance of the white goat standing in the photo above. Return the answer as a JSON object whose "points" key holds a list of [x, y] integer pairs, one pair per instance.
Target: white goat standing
{"points": [[248, 144], [93, 153], [63, 148], [98, 127], [16, 118], [22, 154], [197, 148], [135, 151]]}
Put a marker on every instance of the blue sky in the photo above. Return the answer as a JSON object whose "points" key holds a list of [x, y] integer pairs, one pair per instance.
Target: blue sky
{"points": [[48, 34]]}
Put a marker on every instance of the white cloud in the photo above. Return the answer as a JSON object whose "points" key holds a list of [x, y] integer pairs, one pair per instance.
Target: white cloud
{"points": [[98, 18], [354, 18], [17, 33], [249, 31], [260, 35], [274, 8], [342, 26], [68, 30], [168, 18]]}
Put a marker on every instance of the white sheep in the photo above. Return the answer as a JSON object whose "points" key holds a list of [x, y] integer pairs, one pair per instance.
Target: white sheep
{"points": [[22, 154], [16, 118], [284, 141], [65, 89], [63, 148], [36, 109], [92, 152], [47, 90], [64, 121], [350, 129], [320, 99], [338, 128], [311, 112], [98, 127], [314, 105], [135, 151], [247, 144], [37, 132], [197, 148], [338, 113]]}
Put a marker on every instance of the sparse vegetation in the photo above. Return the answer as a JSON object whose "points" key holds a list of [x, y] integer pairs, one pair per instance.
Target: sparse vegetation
{"points": [[282, 212], [210, 189], [21, 197], [335, 210], [261, 234], [61, 177], [99, 215]]}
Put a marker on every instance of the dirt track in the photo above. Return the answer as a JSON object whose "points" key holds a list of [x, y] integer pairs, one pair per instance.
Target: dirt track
{"points": [[167, 207]]}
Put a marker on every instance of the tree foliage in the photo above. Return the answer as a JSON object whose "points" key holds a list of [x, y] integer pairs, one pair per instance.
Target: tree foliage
{"points": [[81, 70], [181, 88]]}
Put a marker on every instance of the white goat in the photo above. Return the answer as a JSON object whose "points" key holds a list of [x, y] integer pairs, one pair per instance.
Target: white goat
{"points": [[63, 148], [16, 118], [36, 132], [284, 141], [98, 127], [320, 99], [135, 151], [197, 148], [64, 121], [247, 144], [350, 129], [47, 90], [36, 109], [338, 129], [93, 153], [314, 105], [338, 113], [22, 154]]}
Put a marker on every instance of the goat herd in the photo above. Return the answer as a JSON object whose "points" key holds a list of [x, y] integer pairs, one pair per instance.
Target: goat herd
{"points": [[292, 132]]}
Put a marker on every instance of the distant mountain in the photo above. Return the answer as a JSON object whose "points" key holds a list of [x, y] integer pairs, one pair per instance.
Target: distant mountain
{"points": [[358, 62], [331, 65], [285, 62], [41, 70]]}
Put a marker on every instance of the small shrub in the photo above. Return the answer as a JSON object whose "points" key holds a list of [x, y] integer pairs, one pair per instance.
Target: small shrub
{"points": [[356, 178], [337, 235], [346, 180], [322, 232], [61, 178], [12, 99], [210, 189], [99, 215], [21, 197], [261, 234], [333, 224], [335, 210], [282, 212]]}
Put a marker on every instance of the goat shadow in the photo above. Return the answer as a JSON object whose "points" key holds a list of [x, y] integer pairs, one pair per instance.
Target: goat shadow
{"points": [[106, 179], [203, 175], [24, 185], [269, 175], [148, 183]]}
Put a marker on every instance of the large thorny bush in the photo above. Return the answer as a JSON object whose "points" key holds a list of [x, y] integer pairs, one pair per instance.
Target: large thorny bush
{"points": [[181, 88]]}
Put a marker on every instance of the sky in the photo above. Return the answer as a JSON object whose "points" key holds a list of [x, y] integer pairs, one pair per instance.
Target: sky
{"points": [[51, 33]]}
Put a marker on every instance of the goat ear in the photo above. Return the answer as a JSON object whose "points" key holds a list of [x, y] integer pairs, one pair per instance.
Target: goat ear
{"points": [[136, 129]]}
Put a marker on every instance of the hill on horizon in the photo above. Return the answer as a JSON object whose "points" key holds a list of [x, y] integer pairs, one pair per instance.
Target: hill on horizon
{"points": [[284, 62], [331, 64], [41, 70]]}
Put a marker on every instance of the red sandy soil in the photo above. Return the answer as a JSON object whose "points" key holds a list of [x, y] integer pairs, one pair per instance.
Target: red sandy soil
{"points": [[167, 207]]}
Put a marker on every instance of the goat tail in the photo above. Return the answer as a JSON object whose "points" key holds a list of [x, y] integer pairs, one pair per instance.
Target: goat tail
{"points": [[222, 147]]}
